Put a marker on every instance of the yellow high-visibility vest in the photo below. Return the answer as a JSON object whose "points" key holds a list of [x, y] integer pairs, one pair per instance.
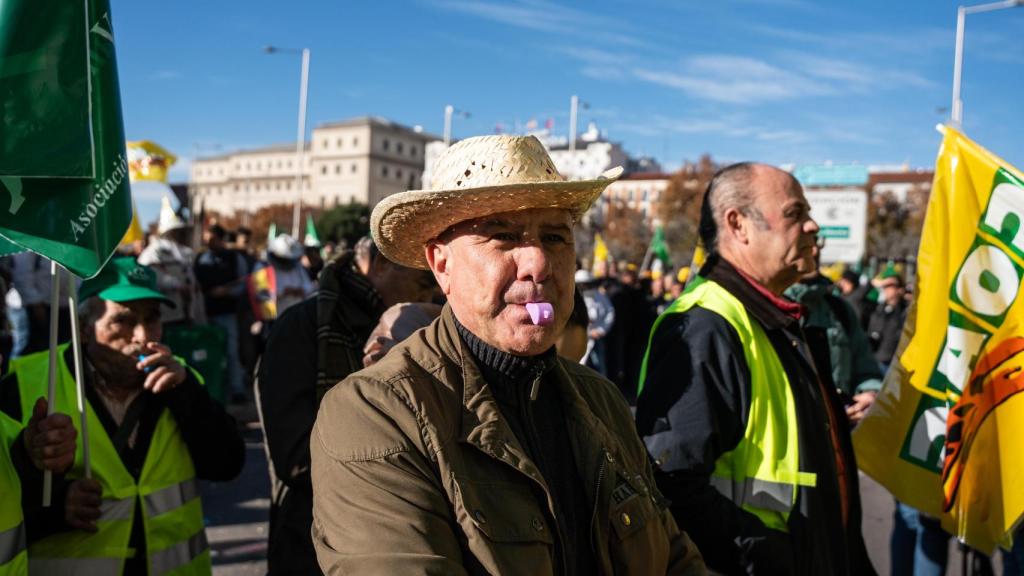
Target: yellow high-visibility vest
{"points": [[762, 473], [167, 491], [13, 554]]}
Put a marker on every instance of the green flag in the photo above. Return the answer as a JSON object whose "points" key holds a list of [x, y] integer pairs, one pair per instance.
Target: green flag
{"points": [[658, 248], [312, 239], [271, 231], [77, 222], [44, 89]]}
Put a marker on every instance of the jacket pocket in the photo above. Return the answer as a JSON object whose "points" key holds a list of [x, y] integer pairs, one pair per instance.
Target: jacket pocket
{"points": [[504, 526], [638, 540]]}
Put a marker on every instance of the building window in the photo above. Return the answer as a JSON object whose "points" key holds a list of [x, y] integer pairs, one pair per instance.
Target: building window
{"points": [[398, 173], [353, 169], [412, 151], [387, 144], [399, 147], [289, 163], [323, 169], [355, 141], [645, 195], [339, 142], [325, 144], [236, 187], [238, 167], [287, 185], [337, 168], [384, 171]]}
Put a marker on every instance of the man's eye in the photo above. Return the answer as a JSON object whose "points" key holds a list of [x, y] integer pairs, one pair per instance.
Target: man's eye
{"points": [[505, 237], [555, 239]]}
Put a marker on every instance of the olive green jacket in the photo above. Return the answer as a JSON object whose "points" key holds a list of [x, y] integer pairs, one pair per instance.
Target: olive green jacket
{"points": [[415, 471]]}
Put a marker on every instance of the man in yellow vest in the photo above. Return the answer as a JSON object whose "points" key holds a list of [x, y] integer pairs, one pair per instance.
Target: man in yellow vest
{"points": [[736, 403], [46, 443], [153, 431]]}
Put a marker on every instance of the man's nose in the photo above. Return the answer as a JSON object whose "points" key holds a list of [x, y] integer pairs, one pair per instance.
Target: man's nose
{"points": [[532, 263], [811, 227], [143, 334]]}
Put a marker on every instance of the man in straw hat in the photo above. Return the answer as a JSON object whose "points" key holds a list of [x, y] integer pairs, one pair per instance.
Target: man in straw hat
{"points": [[471, 447]]}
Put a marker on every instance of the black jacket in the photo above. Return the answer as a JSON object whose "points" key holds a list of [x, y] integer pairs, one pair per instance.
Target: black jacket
{"points": [[337, 320], [884, 328], [694, 408]]}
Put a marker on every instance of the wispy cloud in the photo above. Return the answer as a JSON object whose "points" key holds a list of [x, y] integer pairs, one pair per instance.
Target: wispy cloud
{"points": [[733, 79], [543, 16], [917, 42]]}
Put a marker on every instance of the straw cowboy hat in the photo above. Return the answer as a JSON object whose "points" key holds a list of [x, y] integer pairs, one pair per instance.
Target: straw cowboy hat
{"points": [[475, 178]]}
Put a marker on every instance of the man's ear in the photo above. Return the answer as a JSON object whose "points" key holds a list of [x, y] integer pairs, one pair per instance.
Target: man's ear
{"points": [[437, 255], [736, 226]]}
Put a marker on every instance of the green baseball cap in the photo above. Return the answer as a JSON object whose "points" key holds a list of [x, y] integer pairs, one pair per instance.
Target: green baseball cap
{"points": [[123, 280]]}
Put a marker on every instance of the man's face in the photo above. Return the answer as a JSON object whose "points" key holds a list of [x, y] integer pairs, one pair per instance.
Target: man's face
{"points": [[490, 268], [126, 327], [892, 291], [782, 242]]}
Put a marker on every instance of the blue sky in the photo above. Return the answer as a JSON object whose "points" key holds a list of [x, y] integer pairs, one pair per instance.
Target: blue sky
{"points": [[781, 81]]}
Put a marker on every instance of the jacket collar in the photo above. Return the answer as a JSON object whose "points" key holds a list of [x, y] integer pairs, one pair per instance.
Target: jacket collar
{"points": [[771, 311], [481, 423]]}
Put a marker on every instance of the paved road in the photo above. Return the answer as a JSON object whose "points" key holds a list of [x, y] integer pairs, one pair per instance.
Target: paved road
{"points": [[236, 514]]}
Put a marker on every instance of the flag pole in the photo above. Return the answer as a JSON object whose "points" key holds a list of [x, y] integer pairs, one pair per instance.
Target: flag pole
{"points": [[76, 347], [51, 390]]}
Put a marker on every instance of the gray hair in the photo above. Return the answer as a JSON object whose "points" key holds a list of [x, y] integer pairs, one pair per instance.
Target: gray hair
{"points": [[731, 188], [89, 311]]}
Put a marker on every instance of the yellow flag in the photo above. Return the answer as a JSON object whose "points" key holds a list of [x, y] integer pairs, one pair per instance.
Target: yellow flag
{"points": [[148, 161], [946, 434], [600, 255], [135, 232]]}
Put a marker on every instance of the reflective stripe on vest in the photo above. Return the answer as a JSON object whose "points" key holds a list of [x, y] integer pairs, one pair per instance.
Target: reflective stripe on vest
{"points": [[178, 555], [171, 498], [171, 512], [762, 473], [117, 509], [12, 543], [75, 566]]}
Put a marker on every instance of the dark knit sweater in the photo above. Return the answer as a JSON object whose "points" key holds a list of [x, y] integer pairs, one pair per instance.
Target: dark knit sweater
{"points": [[539, 425]]}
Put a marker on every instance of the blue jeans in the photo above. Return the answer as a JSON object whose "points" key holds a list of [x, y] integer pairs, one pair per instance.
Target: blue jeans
{"points": [[18, 317], [919, 545], [229, 322]]}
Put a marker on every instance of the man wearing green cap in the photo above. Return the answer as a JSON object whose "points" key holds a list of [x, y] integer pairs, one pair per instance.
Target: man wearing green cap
{"points": [[152, 432]]}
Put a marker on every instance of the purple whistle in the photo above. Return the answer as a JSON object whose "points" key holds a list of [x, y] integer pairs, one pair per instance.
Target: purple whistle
{"points": [[541, 313]]}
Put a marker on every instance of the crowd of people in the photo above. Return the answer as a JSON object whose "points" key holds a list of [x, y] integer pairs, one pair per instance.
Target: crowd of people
{"points": [[455, 394]]}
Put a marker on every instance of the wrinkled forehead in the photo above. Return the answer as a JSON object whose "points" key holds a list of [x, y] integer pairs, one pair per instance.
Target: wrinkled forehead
{"points": [[777, 188], [542, 218]]}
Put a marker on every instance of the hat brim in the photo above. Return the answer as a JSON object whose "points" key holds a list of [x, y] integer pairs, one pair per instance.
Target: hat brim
{"points": [[133, 293], [403, 223]]}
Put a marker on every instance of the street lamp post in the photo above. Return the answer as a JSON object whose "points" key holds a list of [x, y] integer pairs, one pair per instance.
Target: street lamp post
{"points": [[574, 106], [300, 141], [449, 111], [958, 59]]}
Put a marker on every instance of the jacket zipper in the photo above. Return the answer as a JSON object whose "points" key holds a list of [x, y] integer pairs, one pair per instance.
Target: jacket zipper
{"points": [[528, 412], [597, 503]]}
